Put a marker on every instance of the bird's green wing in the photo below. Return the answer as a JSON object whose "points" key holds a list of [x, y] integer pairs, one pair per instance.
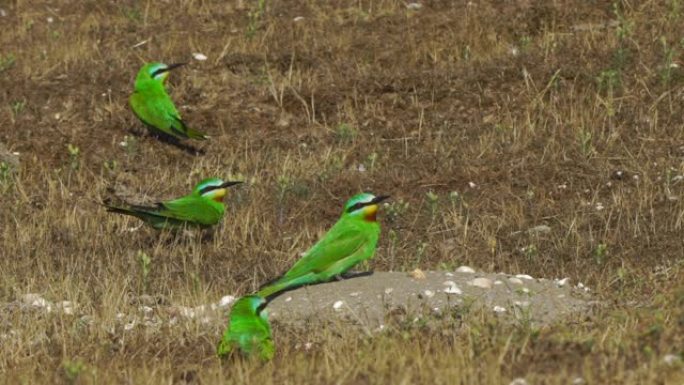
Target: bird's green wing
{"points": [[194, 209], [342, 241], [155, 108]]}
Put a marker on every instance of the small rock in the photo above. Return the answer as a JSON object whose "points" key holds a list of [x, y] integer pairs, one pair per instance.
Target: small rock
{"points": [[67, 307], [130, 325], [499, 309], [671, 359], [338, 305], [465, 269], [414, 6], [429, 293], [481, 282], [452, 288], [355, 294], [417, 274], [298, 18], [519, 381], [524, 276], [472, 185], [515, 280], [199, 56], [541, 229], [578, 381], [497, 282], [36, 301], [50, 19], [3, 13], [389, 290], [288, 299], [225, 301], [562, 282]]}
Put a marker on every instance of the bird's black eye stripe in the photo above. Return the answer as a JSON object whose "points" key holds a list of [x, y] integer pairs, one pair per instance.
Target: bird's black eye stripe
{"points": [[159, 71], [357, 206], [207, 189]]}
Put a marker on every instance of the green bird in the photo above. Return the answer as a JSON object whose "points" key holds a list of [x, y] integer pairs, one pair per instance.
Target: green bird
{"points": [[153, 106], [248, 329], [351, 240], [203, 207]]}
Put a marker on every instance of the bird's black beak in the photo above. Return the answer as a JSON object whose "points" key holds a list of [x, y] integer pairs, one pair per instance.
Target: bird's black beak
{"points": [[379, 199], [230, 183], [174, 66]]}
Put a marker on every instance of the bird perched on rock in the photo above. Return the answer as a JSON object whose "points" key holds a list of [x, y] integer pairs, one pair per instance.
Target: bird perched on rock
{"points": [[351, 240]]}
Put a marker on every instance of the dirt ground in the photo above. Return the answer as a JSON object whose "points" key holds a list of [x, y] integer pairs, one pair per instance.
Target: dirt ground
{"points": [[543, 138]]}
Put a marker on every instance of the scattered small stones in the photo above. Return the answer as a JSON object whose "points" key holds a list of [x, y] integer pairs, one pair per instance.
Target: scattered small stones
{"points": [[199, 56], [465, 269], [481, 282]]}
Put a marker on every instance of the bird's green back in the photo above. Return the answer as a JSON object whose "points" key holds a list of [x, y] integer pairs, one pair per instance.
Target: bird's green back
{"points": [[351, 240]]}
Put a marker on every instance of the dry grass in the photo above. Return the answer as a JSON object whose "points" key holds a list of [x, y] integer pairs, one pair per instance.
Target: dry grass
{"points": [[428, 101]]}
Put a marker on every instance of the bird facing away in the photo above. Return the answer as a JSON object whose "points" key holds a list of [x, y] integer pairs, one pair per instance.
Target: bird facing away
{"points": [[248, 329], [153, 106], [203, 207], [350, 241]]}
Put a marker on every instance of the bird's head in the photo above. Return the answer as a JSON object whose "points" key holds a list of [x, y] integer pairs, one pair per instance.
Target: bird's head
{"points": [[257, 304], [363, 206], [156, 71], [214, 188]]}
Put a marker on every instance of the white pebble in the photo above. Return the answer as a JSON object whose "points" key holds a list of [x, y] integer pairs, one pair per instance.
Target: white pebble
{"points": [[541, 229], [524, 276], [472, 185], [67, 307], [145, 309], [484, 283], [50, 19], [465, 269], [298, 18], [338, 305], [499, 309], [288, 299], [3, 13], [429, 293], [199, 56], [355, 294], [519, 381], [414, 6], [671, 359], [497, 282], [361, 168], [515, 280], [389, 290], [129, 325], [578, 381], [562, 282], [452, 288], [225, 301]]}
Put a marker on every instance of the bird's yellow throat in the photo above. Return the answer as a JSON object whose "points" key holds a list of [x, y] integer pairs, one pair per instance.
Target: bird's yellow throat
{"points": [[370, 213]]}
